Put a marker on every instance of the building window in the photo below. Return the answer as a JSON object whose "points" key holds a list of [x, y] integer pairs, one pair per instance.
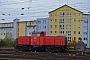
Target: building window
{"points": [[18, 34], [68, 20], [29, 33], [85, 27], [86, 44], [55, 26], [18, 29], [85, 33], [68, 33], [74, 14], [69, 39], [84, 38], [50, 20], [79, 26], [55, 20], [74, 32], [50, 14], [39, 27], [74, 26], [50, 32], [32, 22], [61, 26], [62, 14], [74, 38], [39, 21], [44, 26], [55, 32], [61, 20], [79, 32], [50, 26], [78, 14], [44, 21], [78, 20], [7, 25], [4, 25], [74, 20], [4, 33], [68, 26], [68, 14], [18, 24], [61, 33], [85, 21], [79, 38]]}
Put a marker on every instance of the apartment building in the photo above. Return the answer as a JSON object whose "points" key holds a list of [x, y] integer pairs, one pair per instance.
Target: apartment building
{"points": [[42, 25], [17, 28], [65, 21], [86, 29], [25, 28], [30, 27], [6, 30]]}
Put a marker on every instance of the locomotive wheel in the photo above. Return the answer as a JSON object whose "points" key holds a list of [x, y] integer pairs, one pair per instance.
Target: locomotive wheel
{"points": [[52, 49], [25, 48], [47, 50], [15, 49]]}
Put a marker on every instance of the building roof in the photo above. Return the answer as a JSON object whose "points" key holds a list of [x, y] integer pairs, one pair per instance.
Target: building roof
{"points": [[86, 14], [42, 18], [67, 6], [6, 23]]}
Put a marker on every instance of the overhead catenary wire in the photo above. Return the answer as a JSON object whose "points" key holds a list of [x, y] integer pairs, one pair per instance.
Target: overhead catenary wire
{"points": [[34, 11], [82, 4]]}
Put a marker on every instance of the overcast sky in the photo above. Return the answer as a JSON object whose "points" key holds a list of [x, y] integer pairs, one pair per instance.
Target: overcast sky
{"points": [[36, 8]]}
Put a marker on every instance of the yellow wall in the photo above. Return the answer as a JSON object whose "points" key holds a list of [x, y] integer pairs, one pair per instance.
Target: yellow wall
{"points": [[65, 9], [6, 24], [21, 28], [31, 23]]}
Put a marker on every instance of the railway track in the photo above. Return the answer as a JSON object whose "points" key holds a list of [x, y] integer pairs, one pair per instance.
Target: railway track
{"points": [[41, 56]]}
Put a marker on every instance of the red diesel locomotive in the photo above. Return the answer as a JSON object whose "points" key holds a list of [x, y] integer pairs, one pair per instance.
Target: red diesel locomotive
{"points": [[42, 43]]}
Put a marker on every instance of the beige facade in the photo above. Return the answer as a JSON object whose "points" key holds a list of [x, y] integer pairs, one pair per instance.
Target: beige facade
{"points": [[22, 27], [6, 24], [66, 21], [31, 23]]}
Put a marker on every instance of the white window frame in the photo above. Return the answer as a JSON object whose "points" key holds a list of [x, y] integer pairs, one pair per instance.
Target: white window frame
{"points": [[50, 26], [50, 32], [68, 20], [61, 20], [68, 14], [79, 26], [68, 26], [61, 14]]}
